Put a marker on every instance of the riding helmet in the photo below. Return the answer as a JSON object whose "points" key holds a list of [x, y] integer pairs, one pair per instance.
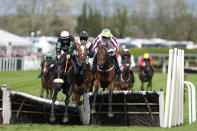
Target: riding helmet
{"points": [[106, 33], [64, 35], [83, 34], [146, 55]]}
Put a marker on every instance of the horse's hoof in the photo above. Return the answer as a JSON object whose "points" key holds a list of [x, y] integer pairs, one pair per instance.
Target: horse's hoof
{"points": [[52, 118], [93, 111], [65, 119], [110, 114]]}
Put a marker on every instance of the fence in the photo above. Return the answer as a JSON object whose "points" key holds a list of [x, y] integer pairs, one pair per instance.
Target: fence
{"points": [[19, 63]]}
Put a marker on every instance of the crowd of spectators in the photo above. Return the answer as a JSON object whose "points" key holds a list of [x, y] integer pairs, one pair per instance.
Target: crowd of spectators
{"points": [[21, 53]]}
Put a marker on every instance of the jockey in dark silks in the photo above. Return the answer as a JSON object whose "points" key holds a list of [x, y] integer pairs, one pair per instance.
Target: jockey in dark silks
{"points": [[66, 44], [47, 56], [106, 39], [132, 64], [84, 38], [146, 57]]}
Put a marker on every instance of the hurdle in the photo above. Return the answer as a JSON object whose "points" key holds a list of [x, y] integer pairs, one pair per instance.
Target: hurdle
{"points": [[19, 107]]}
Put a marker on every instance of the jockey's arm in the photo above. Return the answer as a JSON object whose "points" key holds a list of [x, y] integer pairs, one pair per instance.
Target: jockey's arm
{"points": [[142, 61], [96, 43], [58, 48], [151, 61], [90, 52], [114, 42]]}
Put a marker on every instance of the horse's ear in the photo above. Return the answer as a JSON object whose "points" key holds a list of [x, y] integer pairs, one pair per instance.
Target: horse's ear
{"points": [[77, 43]]}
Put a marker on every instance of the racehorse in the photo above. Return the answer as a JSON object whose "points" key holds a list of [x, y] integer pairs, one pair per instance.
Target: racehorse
{"points": [[104, 76], [64, 71], [125, 82], [47, 78], [146, 74], [84, 77]]}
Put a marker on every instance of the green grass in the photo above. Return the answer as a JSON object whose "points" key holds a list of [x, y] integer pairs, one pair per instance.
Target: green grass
{"points": [[27, 81]]}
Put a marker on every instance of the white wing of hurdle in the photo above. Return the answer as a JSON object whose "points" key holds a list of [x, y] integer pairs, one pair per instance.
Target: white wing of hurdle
{"points": [[174, 106], [191, 99]]}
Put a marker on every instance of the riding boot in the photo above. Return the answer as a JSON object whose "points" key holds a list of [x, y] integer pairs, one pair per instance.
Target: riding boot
{"points": [[132, 76], [115, 61], [94, 64], [74, 63], [40, 75]]}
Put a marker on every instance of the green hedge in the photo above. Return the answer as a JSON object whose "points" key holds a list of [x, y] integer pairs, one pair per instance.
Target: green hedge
{"points": [[140, 51]]}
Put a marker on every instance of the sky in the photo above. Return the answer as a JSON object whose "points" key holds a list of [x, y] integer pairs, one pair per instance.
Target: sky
{"points": [[76, 8]]}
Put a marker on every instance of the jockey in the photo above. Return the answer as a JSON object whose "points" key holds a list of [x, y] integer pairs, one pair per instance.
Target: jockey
{"points": [[65, 44], [143, 58], [132, 64], [47, 56], [146, 57], [84, 38], [106, 38]]}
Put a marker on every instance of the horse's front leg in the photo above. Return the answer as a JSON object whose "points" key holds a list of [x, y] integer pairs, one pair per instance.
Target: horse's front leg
{"points": [[142, 86], [150, 85], [42, 91], [51, 91], [111, 87], [67, 100], [52, 117], [93, 110], [47, 90]]}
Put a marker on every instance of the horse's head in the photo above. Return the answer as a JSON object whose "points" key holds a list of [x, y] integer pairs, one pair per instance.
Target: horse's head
{"points": [[148, 68], [102, 56], [127, 61], [82, 51], [46, 64]]}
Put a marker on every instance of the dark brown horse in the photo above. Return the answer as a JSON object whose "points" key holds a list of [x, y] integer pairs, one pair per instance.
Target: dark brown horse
{"points": [[64, 71], [47, 78], [84, 77], [104, 76], [125, 82], [146, 74]]}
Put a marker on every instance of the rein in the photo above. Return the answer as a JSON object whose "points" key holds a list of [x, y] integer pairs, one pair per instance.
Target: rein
{"points": [[105, 70], [125, 80], [66, 64]]}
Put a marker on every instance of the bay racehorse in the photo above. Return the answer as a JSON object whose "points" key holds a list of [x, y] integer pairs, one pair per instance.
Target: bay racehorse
{"points": [[104, 76], [47, 78], [64, 71], [145, 74], [125, 82], [84, 76]]}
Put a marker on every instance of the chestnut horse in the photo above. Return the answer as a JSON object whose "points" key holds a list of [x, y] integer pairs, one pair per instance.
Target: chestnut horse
{"points": [[146, 74], [47, 78], [125, 82], [64, 71], [84, 77], [104, 76]]}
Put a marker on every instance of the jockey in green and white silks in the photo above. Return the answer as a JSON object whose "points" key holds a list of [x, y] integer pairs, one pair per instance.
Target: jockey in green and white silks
{"points": [[47, 56], [65, 44]]}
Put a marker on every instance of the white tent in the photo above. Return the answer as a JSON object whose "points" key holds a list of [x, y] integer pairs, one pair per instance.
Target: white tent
{"points": [[10, 42], [7, 38], [43, 45]]}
